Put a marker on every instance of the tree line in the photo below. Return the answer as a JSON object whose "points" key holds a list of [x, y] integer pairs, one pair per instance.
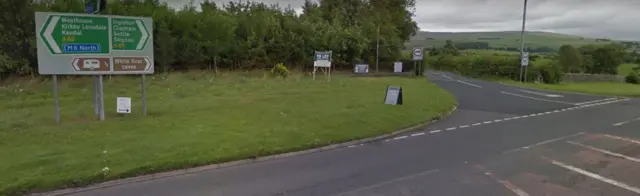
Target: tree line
{"points": [[590, 59], [236, 35]]}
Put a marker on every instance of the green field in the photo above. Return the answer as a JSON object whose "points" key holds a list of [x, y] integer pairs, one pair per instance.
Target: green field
{"points": [[625, 69], [194, 119], [500, 39], [600, 88]]}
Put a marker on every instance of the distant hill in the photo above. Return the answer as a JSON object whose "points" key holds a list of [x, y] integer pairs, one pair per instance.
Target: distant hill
{"points": [[503, 39]]}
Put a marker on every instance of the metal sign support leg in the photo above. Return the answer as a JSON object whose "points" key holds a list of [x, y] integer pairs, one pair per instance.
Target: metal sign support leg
{"points": [[96, 106], [56, 106], [101, 95], [144, 96]]}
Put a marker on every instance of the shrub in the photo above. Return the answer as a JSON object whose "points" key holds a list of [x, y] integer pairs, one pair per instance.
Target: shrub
{"points": [[632, 78], [551, 73], [280, 70]]}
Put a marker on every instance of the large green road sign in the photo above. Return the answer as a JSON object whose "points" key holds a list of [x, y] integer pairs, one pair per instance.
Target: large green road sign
{"points": [[64, 38]]}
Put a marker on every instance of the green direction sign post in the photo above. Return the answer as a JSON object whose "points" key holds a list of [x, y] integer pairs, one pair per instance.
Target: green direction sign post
{"points": [[76, 34], [129, 34], [64, 38]]}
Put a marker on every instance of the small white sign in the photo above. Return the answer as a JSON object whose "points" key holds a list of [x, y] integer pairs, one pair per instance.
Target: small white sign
{"points": [[397, 67], [525, 59], [124, 105]]}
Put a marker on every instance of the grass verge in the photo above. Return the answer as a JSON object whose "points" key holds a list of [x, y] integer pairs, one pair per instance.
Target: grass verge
{"points": [[597, 88], [194, 119]]}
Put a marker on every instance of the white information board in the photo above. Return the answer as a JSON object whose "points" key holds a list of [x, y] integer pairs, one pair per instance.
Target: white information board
{"points": [[124, 105], [397, 67]]}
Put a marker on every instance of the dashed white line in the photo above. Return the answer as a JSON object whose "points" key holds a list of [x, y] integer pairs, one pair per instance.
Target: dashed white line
{"points": [[446, 77], [622, 138], [625, 122], [543, 142], [463, 126], [474, 85], [605, 151], [476, 124], [351, 146], [517, 117], [487, 122], [370, 187], [518, 191], [417, 134], [507, 119], [450, 129], [399, 138], [595, 176], [497, 120], [435, 131]]}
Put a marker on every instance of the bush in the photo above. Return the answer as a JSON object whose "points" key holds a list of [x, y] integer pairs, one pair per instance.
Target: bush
{"points": [[280, 70], [632, 78], [551, 73]]}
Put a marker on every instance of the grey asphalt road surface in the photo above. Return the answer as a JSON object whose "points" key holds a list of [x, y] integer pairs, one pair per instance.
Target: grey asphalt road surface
{"points": [[540, 143]]}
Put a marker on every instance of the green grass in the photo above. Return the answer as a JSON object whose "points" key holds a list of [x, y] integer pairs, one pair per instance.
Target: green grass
{"points": [[500, 39], [194, 119], [625, 69], [600, 88]]}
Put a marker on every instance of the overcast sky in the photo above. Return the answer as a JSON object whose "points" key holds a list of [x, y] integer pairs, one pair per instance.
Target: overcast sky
{"points": [[616, 19]]}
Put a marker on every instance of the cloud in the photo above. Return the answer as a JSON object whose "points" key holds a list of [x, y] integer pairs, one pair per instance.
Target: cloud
{"points": [[615, 19]]}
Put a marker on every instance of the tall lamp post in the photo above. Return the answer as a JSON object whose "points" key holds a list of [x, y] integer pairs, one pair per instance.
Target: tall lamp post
{"points": [[524, 20]]}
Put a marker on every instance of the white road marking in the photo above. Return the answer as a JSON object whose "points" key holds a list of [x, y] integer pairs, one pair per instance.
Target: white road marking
{"points": [[388, 182], [622, 138], [625, 122], [595, 176], [476, 124], [543, 142], [534, 98], [517, 117], [594, 101], [450, 129], [399, 138], [507, 119], [497, 120], [474, 85], [351, 146], [386, 140], [417, 134], [518, 191], [605, 151], [463, 126], [447, 77], [541, 94], [547, 113], [435, 131]]}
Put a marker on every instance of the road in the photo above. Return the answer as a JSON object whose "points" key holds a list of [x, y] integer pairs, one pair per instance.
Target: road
{"points": [[502, 140]]}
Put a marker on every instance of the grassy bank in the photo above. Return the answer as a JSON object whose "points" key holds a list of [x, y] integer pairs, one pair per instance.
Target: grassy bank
{"points": [[194, 119], [601, 88]]}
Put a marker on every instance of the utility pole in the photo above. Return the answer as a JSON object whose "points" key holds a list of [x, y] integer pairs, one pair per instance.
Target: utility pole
{"points": [[524, 20], [377, 47]]}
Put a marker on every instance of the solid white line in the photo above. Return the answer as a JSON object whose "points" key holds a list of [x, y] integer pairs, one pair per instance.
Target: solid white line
{"points": [[534, 98], [417, 134], [625, 122], [541, 94], [476, 124], [594, 101], [399, 138], [449, 129], [388, 182], [463, 126], [596, 176], [435, 131], [622, 138], [605, 151], [543, 142], [474, 85]]}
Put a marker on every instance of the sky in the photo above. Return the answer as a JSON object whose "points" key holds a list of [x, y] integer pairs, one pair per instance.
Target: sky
{"points": [[614, 19]]}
